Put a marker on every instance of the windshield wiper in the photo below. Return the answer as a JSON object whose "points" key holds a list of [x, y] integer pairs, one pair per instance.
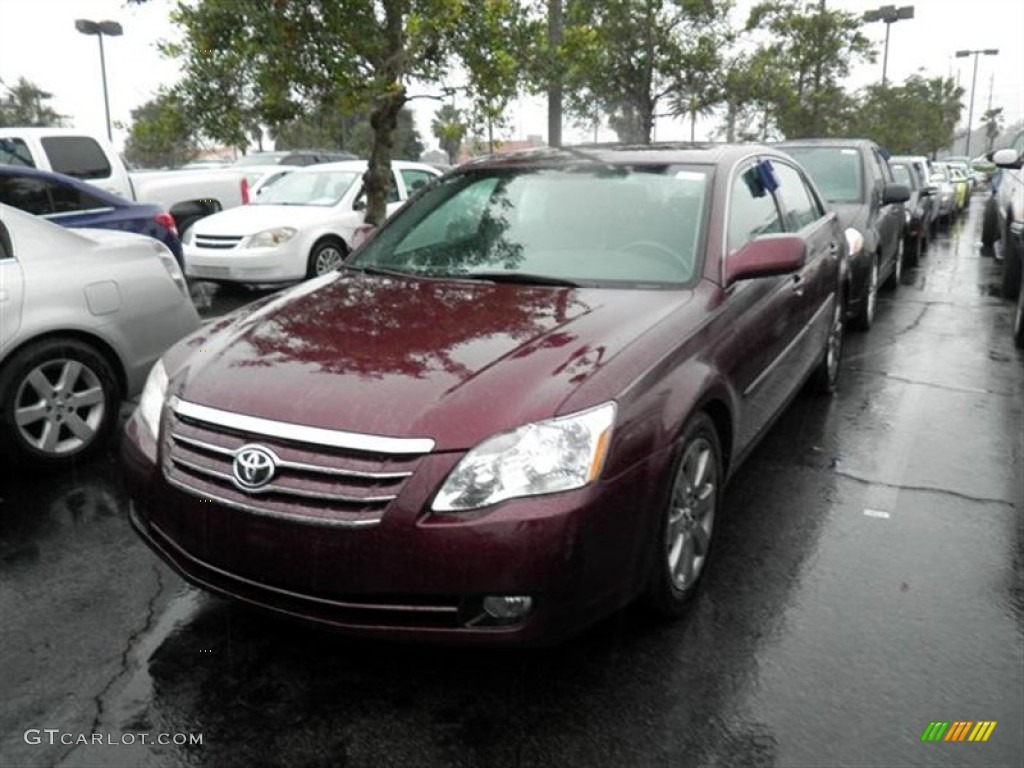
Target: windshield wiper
{"points": [[369, 269], [519, 278]]}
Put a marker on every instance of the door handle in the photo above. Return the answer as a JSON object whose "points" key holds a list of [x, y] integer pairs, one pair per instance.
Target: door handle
{"points": [[798, 285]]}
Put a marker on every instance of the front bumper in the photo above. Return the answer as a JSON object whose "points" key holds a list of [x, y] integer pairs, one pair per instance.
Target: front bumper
{"points": [[283, 263], [413, 575]]}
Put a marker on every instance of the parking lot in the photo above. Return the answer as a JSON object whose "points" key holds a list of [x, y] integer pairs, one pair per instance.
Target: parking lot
{"points": [[868, 582]]}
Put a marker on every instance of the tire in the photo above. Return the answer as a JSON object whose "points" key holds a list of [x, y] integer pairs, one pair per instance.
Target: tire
{"points": [[685, 533], [326, 256], [825, 379], [60, 401], [912, 248], [990, 226], [893, 281], [1011, 264], [865, 317], [1018, 321]]}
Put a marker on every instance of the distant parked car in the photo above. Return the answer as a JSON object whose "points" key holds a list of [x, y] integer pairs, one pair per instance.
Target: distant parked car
{"points": [[302, 226], [942, 179], [1009, 212], [919, 210], [84, 315], [513, 411], [962, 185], [856, 179], [298, 157], [70, 202]]}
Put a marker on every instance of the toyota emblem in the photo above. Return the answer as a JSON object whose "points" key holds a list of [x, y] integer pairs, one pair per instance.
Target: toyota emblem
{"points": [[253, 467]]}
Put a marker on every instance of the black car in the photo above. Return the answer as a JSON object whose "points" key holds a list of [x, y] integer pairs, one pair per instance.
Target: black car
{"points": [[855, 177], [919, 211]]}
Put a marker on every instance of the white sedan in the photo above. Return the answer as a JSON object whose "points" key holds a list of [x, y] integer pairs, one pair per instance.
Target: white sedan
{"points": [[300, 227]]}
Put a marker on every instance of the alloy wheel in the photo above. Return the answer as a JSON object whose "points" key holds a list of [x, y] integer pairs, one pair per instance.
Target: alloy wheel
{"points": [[59, 406], [328, 258], [691, 517]]}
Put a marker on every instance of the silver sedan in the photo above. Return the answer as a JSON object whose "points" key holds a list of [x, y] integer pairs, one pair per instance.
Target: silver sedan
{"points": [[84, 314]]}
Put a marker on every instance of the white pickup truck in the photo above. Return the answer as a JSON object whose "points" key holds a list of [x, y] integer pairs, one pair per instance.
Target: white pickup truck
{"points": [[187, 195]]}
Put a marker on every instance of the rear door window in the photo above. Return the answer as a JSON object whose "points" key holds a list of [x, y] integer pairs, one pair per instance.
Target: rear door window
{"points": [[78, 156], [752, 210], [26, 193]]}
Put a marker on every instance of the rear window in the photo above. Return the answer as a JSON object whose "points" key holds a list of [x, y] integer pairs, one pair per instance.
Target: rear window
{"points": [[78, 156]]}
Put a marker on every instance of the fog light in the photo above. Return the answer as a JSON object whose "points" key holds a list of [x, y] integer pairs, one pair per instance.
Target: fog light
{"points": [[508, 606]]}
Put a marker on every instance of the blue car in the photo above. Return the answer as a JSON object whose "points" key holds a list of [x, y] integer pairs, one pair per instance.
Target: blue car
{"points": [[69, 202]]}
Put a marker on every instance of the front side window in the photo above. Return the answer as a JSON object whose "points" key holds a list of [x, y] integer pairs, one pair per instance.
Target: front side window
{"points": [[25, 193], [15, 152], [903, 174], [594, 225], [752, 210], [836, 171], [78, 156], [800, 206]]}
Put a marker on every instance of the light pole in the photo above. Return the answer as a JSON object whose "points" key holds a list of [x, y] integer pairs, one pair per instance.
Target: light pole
{"points": [[101, 28], [974, 77], [890, 14]]}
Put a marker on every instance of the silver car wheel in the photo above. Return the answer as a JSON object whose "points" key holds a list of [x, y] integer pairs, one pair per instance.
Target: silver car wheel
{"points": [[328, 258], [872, 290], [834, 350], [691, 517], [59, 406]]}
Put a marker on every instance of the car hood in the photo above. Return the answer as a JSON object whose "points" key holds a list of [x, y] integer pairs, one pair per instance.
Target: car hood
{"points": [[456, 361], [246, 220]]}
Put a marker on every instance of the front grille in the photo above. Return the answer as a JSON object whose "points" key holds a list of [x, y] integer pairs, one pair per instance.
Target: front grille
{"points": [[322, 477], [220, 242]]}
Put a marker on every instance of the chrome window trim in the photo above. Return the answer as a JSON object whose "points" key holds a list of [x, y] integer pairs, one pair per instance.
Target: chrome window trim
{"points": [[333, 438], [286, 516], [82, 212], [297, 465]]}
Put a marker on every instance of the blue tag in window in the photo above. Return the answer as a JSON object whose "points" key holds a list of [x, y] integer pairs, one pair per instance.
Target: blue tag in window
{"points": [[766, 175]]}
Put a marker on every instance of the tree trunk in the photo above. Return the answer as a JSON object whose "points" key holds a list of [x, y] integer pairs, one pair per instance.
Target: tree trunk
{"points": [[383, 120]]}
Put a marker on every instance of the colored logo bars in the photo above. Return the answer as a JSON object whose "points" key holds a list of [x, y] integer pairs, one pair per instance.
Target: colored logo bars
{"points": [[958, 730]]}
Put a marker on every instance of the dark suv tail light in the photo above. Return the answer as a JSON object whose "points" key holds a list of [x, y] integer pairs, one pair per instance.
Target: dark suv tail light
{"points": [[166, 221]]}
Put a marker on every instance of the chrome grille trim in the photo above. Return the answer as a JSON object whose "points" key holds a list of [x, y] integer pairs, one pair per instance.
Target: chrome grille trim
{"points": [[296, 465], [297, 432], [282, 489], [286, 516]]}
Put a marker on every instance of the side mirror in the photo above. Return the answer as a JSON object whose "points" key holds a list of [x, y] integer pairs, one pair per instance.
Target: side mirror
{"points": [[1007, 158], [766, 256], [895, 193]]}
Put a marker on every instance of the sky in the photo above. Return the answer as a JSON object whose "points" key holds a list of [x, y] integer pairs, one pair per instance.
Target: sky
{"points": [[38, 41]]}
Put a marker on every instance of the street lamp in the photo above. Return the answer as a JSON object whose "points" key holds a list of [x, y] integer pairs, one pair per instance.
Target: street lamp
{"points": [[101, 28], [890, 14], [974, 77]]}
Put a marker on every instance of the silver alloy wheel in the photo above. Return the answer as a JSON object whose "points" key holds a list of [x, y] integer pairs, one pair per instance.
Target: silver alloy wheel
{"points": [[59, 406], [328, 257], [692, 515], [872, 290]]}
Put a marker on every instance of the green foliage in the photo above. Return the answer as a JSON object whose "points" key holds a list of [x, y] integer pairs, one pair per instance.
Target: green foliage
{"points": [[993, 122], [23, 105], [808, 52], [916, 118], [449, 127], [249, 63], [625, 58], [161, 134]]}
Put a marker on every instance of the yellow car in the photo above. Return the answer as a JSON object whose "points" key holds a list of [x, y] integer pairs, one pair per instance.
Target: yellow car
{"points": [[962, 185]]}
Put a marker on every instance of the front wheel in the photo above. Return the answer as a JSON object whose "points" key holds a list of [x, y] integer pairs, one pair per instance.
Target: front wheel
{"points": [[1018, 321], [327, 255], [684, 536], [1011, 263], [825, 379], [60, 404], [893, 281]]}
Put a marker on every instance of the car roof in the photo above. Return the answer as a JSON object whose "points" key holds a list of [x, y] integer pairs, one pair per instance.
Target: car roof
{"points": [[664, 153], [71, 181], [360, 165], [827, 143]]}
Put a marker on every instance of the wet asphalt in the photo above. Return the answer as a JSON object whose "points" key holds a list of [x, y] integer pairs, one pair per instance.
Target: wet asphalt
{"points": [[868, 581]]}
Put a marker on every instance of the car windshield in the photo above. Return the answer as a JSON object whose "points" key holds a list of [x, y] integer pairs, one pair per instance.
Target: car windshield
{"points": [[321, 188], [595, 225], [836, 171]]}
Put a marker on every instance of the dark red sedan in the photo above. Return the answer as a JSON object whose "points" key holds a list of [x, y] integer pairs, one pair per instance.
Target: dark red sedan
{"points": [[513, 411]]}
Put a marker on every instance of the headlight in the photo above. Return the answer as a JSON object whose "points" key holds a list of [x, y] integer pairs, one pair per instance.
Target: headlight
{"points": [[854, 241], [559, 454], [171, 265], [268, 238], [152, 400]]}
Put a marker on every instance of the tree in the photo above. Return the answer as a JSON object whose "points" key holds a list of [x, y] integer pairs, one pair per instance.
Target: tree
{"points": [[449, 127], [918, 117], [327, 127], [625, 57], [23, 106], [993, 122], [249, 62], [808, 52], [161, 134]]}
